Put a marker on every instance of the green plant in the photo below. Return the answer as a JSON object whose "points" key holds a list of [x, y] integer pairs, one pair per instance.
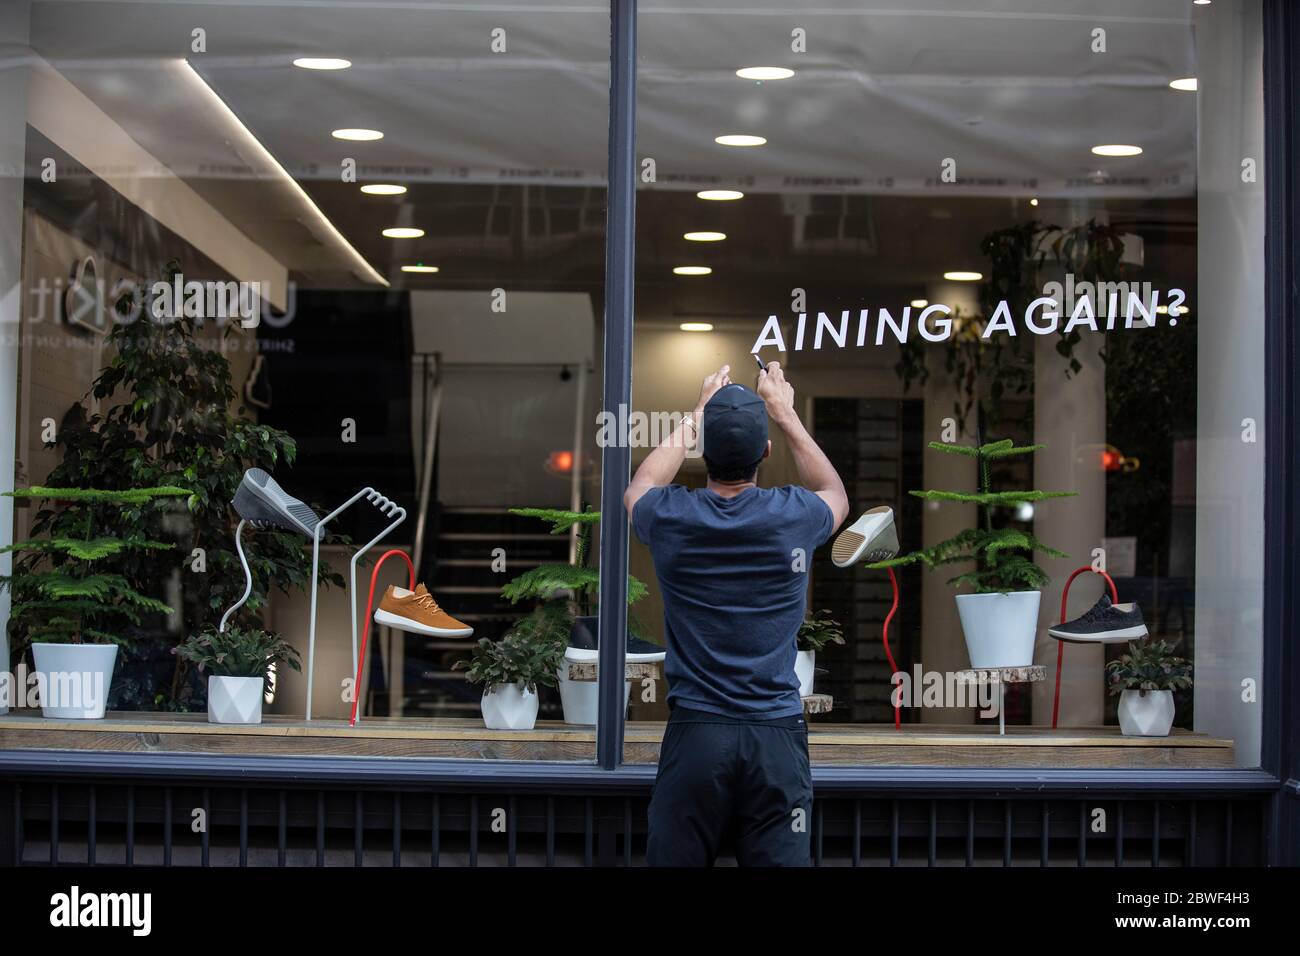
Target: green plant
{"points": [[515, 659], [62, 591], [580, 578], [238, 651], [819, 630], [1149, 665], [170, 418], [1002, 556], [562, 591]]}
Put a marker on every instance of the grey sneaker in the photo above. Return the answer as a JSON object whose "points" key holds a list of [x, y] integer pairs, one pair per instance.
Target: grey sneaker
{"points": [[872, 537], [260, 500], [1103, 623]]}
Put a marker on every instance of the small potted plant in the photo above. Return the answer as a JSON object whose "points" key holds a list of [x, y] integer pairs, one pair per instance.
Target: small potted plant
{"points": [[815, 633], [1000, 619], [67, 606], [567, 596], [510, 670], [1145, 679], [239, 660]]}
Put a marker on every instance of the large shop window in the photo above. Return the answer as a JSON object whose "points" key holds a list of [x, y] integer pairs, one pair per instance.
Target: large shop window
{"points": [[301, 289], [265, 262], [1001, 254]]}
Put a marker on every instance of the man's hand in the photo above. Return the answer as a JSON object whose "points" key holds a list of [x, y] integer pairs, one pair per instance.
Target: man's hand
{"points": [[776, 393], [712, 384]]}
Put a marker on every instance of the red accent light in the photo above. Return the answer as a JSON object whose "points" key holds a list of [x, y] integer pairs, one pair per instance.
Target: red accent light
{"points": [[1111, 461], [561, 461]]}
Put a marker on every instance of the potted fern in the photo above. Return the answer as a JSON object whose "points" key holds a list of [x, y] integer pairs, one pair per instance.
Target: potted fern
{"points": [[815, 633], [567, 603], [1145, 679], [510, 670], [67, 607], [1000, 618], [240, 661]]}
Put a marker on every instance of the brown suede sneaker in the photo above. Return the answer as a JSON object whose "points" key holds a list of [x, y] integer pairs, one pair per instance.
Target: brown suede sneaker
{"points": [[416, 611]]}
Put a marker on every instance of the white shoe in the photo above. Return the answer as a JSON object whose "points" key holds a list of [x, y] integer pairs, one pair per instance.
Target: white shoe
{"points": [[872, 537]]}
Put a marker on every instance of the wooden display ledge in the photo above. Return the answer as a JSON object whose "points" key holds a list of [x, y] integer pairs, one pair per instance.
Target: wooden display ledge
{"points": [[933, 745], [586, 671]]}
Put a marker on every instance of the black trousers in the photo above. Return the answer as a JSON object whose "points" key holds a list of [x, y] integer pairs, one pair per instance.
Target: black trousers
{"points": [[722, 780]]}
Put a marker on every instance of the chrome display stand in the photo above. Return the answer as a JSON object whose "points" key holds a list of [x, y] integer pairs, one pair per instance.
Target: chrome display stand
{"points": [[386, 507]]}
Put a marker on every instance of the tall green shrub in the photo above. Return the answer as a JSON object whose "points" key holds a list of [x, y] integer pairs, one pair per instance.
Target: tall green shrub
{"points": [[170, 417]]}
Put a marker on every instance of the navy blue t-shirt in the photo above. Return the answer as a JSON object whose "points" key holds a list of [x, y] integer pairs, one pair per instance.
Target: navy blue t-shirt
{"points": [[733, 572]]}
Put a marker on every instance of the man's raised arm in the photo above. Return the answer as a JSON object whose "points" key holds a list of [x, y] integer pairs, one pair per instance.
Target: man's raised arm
{"points": [[816, 473], [662, 464]]}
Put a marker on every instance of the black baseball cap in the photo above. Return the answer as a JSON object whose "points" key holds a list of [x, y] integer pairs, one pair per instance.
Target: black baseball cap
{"points": [[734, 429]]}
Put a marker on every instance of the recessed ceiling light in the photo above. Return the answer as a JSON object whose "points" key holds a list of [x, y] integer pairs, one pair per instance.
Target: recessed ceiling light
{"points": [[1117, 149], [764, 73], [739, 139], [322, 63], [1187, 84], [383, 189], [1033, 202], [692, 270], [403, 232], [359, 135], [1201, 3], [697, 326], [419, 268], [720, 195], [247, 141], [960, 276], [704, 236], [919, 303]]}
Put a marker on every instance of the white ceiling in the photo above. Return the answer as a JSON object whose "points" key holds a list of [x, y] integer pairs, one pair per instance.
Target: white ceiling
{"points": [[881, 97]]}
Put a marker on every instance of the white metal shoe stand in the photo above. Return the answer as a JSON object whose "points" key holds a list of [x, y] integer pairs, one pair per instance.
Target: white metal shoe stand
{"points": [[389, 509]]}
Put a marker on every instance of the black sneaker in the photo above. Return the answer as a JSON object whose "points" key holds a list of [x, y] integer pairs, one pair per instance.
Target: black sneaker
{"points": [[584, 646], [1103, 623]]}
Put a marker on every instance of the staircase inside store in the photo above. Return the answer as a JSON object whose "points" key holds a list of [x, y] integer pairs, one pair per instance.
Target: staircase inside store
{"points": [[458, 569]]}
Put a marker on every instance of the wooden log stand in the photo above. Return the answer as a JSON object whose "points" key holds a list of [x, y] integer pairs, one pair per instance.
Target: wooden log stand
{"points": [[1002, 676], [818, 704], [585, 671]]}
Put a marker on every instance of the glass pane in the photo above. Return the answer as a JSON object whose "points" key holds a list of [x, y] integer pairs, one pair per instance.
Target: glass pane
{"points": [[354, 247], [955, 228]]}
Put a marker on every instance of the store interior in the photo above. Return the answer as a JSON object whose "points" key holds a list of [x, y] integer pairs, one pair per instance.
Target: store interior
{"points": [[456, 367]]}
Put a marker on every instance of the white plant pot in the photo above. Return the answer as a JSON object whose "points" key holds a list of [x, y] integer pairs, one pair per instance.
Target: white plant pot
{"points": [[76, 679], [999, 628], [1147, 713], [805, 666], [235, 700], [509, 707], [578, 697]]}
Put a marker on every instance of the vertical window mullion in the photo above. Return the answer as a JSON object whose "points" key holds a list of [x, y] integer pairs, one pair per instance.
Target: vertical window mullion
{"points": [[616, 458]]}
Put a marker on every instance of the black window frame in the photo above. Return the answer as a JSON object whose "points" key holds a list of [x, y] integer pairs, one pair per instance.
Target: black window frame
{"points": [[1280, 752], [1278, 777]]}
